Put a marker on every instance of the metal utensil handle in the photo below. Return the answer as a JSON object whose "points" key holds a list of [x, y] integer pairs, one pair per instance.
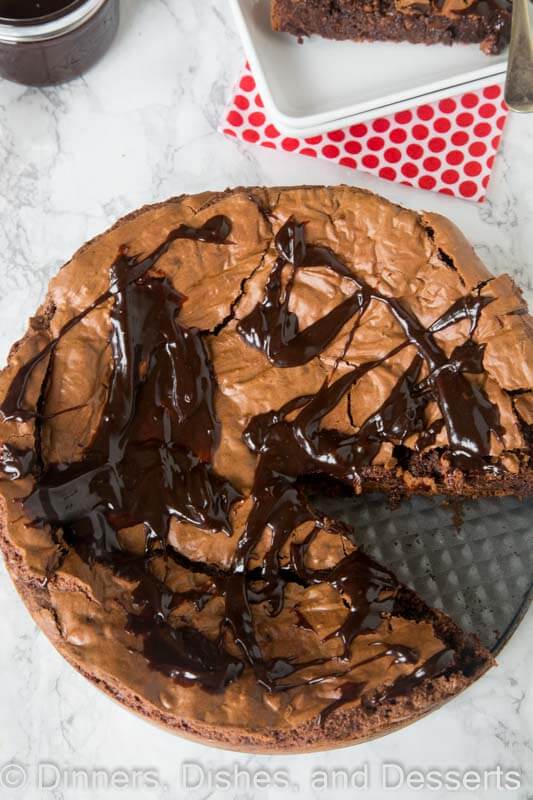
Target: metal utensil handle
{"points": [[519, 83]]}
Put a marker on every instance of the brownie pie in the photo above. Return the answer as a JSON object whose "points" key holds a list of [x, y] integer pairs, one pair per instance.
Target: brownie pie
{"points": [[192, 374], [483, 22]]}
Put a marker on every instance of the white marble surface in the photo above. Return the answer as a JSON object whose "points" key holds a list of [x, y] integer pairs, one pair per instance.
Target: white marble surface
{"points": [[139, 127]]}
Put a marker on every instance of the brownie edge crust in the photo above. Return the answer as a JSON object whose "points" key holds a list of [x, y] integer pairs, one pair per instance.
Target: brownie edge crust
{"points": [[230, 610], [483, 22]]}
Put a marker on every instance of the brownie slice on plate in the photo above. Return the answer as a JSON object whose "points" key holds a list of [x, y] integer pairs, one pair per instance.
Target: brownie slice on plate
{"points": [[483, 22]]}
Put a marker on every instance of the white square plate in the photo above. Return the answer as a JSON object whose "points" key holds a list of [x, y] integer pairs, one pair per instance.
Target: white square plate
{"points": [[318, 85]]}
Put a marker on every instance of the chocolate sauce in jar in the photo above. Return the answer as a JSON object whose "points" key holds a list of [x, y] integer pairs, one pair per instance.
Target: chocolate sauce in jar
{"points": [[34, 9], [45, 42]]}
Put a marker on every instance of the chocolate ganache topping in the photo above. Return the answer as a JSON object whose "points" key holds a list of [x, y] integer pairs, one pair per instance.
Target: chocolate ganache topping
{"points": [[151, 461], [159, 429], [467, 413], [486, 22], [483, 8]]}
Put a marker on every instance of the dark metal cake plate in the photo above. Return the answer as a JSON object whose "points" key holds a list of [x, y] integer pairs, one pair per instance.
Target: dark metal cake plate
{"points": [[473, 559]]}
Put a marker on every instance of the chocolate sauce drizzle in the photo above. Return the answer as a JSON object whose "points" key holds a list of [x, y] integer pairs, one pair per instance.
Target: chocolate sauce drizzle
{"points": [[469, 416], [499, 10], [151, 461]]}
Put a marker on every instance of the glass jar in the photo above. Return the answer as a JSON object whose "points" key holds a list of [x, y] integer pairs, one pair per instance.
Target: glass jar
{"points": [[59, 42]]}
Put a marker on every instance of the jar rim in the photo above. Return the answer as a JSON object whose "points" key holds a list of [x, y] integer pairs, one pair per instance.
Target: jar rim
{"points": [[52, 25]]}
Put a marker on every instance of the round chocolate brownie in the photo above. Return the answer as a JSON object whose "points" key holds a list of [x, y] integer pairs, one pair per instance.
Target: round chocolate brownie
{"points": [[192, 377]]}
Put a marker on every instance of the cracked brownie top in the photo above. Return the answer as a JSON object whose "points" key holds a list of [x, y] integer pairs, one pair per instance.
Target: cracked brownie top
{"points": [[189, 372]]}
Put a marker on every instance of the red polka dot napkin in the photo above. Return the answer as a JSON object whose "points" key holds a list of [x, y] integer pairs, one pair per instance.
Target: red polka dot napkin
{"points": [[447, 146]]}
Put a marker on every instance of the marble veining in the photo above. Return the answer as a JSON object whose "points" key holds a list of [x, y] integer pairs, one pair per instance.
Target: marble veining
{"points": [[140, 127]]}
